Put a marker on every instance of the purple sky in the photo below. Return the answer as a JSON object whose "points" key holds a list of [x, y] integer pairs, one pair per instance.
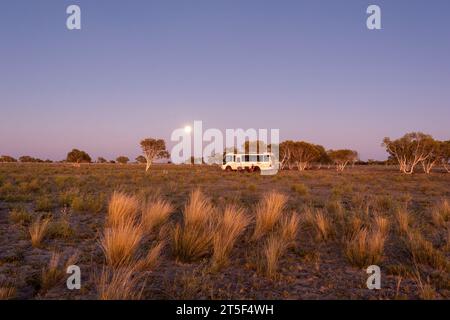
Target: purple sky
{"points": [[144, 68]]}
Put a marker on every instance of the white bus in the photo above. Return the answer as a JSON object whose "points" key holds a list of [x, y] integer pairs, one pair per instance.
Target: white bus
{"points": [[252, 162]]}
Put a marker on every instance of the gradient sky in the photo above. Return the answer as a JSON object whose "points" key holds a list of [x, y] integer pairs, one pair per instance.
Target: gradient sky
{"points": [[143, 68]]}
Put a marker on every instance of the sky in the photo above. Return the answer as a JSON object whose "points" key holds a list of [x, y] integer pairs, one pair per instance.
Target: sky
{"points": [[141, 69]]}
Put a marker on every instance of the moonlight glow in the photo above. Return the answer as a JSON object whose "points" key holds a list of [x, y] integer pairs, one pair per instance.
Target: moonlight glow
{"points": [[188, 129]]}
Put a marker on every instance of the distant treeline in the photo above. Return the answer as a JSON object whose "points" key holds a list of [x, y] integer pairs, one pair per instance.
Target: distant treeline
{"points": [[412, 150]]}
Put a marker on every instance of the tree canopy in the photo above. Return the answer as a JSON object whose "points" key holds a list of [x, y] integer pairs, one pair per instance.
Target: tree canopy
{"points": [[122, 159], [7, 159], [153, 149], [411, 149], [78, 156], [342, 157]]}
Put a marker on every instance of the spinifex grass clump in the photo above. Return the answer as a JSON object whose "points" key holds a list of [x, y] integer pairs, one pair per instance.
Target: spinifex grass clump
{"points": [[230, 226], [192, 238], [319, 222], [274, 248], [124, 283], [38, 231], [155, 213], [366, 247], [268, 213], [123, 232], [122, 207], [120, 242], [288, 229], [441, 213]]}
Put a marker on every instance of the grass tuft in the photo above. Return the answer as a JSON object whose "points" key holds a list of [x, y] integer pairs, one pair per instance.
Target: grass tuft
{"points": [[122, 208], [231, 225], [155, 214], [119, 243], [268, 213], [38, 231], [192, 239]]}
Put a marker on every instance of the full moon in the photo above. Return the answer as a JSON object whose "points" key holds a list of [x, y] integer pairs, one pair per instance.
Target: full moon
{"points": [[188, 129]]}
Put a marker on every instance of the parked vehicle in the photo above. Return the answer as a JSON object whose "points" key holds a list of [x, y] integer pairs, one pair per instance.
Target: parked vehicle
{"points": [[251, 162]]}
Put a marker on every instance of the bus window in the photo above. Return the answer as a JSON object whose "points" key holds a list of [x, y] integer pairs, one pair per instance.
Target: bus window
{"points": [[246, 158], [253, 158]]}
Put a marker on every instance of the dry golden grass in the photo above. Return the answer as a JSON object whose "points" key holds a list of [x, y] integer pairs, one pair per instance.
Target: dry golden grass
{"points": [[119, 243], [447, 246], [55, 271], [403, 220], [422, 251], [231, 225], [38, 231], [319, 222], [323, 225], [288, 228], [426, 290], [273, 250], [155, 213], [152, 259], [122, 207], [350, 226], [382, 225], [7, 292], [441, 213], [366, 248], [120, 284], [52, 274], [268, 212], [192, 239]]}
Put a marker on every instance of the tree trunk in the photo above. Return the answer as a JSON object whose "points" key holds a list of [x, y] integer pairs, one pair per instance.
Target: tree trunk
{"points": [[447, 168], [428, 166], [147, 167], [301, 166]]}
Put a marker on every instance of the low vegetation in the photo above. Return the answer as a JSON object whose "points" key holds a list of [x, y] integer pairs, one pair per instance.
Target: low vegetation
{"points": [[196, 232]]}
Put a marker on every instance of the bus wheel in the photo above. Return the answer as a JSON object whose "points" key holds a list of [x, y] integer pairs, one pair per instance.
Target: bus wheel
{"points": [[257, 169], [228, 169]]}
